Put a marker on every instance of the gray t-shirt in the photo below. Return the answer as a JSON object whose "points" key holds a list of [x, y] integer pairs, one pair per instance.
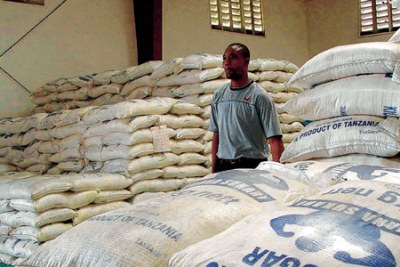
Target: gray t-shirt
{"points": [[243, 118]]}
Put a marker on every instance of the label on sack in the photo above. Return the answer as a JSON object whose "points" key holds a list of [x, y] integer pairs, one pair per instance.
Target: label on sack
{"points": [[160, 138]]}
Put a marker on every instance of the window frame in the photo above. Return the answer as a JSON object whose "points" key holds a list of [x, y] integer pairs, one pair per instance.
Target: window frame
{"points": [[33, 2], [238, 14], [372, 21]]}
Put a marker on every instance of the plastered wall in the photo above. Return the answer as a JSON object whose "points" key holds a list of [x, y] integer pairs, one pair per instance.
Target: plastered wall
{"points": [[335, 22], [67, 38], [186, 30], [296, 30], [64, 38]]}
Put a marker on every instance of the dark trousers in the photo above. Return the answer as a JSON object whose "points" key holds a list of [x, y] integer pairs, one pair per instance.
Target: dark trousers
{"points": [[240, 163]]}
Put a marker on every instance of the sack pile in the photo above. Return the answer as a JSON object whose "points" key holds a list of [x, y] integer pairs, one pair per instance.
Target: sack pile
{"points": [[87, 90], [38, 208], [44, 142], [350, 93], [273, 76], [159, 139], [339, 171], [149, 232], [158, 143], [354, 223], [192, 79]]}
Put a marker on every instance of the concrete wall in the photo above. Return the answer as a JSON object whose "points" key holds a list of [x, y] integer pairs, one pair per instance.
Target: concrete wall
{"points": [[86, 36], [186, 30], [296, 30], [335, 22], [61, 39]]}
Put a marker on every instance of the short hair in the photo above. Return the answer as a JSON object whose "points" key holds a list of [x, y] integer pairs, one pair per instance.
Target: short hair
{"points": [[244, 49]]}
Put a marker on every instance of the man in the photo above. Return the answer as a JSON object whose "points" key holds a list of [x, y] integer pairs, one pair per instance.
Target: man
{"points": [[243, 118]]}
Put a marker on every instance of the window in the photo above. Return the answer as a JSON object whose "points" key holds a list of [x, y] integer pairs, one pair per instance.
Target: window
{"points": [[242, 16], [378, 16]]}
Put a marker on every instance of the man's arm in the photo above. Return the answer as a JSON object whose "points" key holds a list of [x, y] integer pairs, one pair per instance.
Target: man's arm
{"points": [[276, 145], [214, 150]]}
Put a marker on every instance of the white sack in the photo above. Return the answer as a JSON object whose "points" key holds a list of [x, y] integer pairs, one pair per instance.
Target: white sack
{"points": [[17, 248], [348, 60], [198, 61], [391, 126], [98, 181], [113, 88], [165, 68], [140, 93], [154, 161], [375, 95], [191, 76], [33, 187], [112, 196], [41, 234], [26, 218], [341, 136], [204, 208], [132, 85], [71, 200], [128, 109], [139, 136], [135, 72], [395, 37], [181, 121], [104, 77], [391, 162], [348, 171], [145, 121], [182, 108], [350, 224], [96, 209]]}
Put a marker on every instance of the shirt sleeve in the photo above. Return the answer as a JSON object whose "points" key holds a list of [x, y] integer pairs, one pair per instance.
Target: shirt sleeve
{"points": [[268, 115], [212, 123]]}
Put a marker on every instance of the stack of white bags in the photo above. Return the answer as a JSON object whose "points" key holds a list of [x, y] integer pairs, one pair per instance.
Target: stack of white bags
{"points": [[351, 93], [43, 142], [158, 143], [192, 79], [141, 139], [352, 98], [37, 208], [110, 126], [149, 232]]}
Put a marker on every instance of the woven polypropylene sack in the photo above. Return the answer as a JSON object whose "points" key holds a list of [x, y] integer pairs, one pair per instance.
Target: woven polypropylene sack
{"points": [[353, 223], [348, 60], [149, 232], [341, 136]]}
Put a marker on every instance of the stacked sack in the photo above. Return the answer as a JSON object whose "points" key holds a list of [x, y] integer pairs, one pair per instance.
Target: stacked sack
{"points": [[143, 139], [395, 37], [155, 142], [38, 208], [192, 79], [149, 232], [273, 76], [350, 91], [354, 223], [88, 90], [43, 142], [177, 78]]}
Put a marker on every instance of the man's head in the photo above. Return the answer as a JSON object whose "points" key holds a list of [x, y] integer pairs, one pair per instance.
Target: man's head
{"points": [[242, 48], [236, 60]]}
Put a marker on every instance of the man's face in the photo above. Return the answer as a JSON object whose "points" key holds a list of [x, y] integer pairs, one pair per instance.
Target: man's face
{"points": [[235, 65]]}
